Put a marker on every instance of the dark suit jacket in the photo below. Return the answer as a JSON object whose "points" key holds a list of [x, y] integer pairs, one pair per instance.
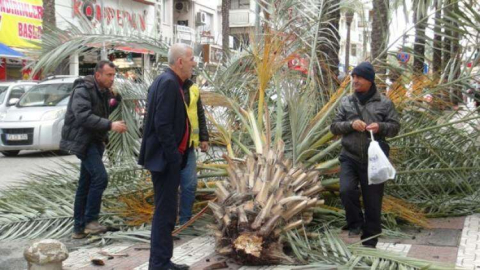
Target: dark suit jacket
{"points": [[165, 123]]}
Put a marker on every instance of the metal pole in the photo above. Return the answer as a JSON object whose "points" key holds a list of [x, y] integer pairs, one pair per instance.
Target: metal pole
{"points": [[257, 19], [103, 54]]}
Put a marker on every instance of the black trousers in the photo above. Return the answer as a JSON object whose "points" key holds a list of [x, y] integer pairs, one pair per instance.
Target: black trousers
{"points": [[165, 187], [353, 173]]}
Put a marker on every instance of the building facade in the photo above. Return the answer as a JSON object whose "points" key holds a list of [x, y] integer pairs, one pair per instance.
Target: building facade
{"points": [[360, 33]]}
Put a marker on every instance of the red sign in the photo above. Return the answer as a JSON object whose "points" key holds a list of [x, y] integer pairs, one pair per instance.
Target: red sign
{"points": [[93, 11]]}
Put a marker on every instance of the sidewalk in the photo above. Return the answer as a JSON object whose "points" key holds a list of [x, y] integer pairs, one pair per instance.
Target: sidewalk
{"points": [[453, 241]]}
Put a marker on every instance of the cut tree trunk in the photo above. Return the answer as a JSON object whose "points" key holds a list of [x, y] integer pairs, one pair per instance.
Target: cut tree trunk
{"points": [[262, 197]]}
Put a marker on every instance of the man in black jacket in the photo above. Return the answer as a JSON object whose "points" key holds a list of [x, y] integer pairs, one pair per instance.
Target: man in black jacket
{"points": [[358, 114], [164, 150], [84, 134]]}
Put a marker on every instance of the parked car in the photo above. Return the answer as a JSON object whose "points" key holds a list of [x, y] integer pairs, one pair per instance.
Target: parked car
{"points": [[10, 92], [36, 121]]}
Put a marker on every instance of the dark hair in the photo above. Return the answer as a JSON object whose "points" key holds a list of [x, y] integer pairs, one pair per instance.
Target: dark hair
{"points": [[102, 63]]}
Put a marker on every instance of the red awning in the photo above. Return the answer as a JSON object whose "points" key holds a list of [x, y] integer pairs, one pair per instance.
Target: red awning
{"points": [[130, 49]]}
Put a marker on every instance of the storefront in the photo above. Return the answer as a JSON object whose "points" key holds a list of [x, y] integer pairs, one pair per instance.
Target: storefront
{"points": [[20, 26], [114, 16]]}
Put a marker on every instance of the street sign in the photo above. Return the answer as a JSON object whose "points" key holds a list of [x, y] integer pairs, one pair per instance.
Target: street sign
{"points": [[403, 57]]}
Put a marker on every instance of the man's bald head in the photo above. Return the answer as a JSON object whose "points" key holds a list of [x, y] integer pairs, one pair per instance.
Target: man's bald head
{"points": [[181, 60]]}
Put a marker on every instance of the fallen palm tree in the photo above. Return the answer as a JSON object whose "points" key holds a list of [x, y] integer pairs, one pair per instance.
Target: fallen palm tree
{"points": [[263, 197]]}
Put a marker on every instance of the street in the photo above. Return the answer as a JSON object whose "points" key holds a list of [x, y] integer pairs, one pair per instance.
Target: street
{"points": [[13, 169]]}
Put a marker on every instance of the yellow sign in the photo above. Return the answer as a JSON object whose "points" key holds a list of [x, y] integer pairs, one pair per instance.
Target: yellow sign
{"points": [[20, 22]]}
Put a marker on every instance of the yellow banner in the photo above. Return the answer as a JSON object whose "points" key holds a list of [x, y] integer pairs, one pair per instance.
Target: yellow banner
{"points": [[20, 22]]}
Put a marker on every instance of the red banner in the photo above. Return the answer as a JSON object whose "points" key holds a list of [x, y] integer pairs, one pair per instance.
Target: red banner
{"points": [[3, 69]]}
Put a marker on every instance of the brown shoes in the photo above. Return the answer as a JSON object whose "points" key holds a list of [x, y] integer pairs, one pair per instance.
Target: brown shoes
{"points": [[79, 235], [95, 228]]}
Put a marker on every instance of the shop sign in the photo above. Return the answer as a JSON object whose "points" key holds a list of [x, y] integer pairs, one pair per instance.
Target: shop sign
{"points": [[93, 12], [20, 22]]}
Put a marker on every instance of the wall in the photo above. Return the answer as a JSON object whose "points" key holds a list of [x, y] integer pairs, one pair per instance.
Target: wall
{"points": [[120, 15]]}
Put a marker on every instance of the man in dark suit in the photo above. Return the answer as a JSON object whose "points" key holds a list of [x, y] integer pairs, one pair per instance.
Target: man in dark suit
{"points": [[163, 151]]}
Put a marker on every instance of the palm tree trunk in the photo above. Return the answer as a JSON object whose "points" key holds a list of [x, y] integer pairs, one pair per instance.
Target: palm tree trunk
{"points": [[437, 41], [456, 91], [419, 46], [48, 13], [225, 29], [447, 41], [380, 38], [331, 51]]}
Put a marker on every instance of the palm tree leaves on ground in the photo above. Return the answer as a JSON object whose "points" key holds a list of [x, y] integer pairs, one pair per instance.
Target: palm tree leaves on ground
{"points": [[325, 248], [42, 206]]}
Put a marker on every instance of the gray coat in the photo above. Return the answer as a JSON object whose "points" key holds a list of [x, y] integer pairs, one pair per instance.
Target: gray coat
{"points": [[378, 109]]}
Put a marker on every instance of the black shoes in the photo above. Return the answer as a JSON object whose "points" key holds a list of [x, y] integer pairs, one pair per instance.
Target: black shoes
{"points": [[354, 232], [175, 266]]}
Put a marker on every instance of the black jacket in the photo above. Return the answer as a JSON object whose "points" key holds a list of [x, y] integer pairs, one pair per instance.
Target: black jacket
{"points": [[86, 120], [165, 123], [378, 109], [202, 122]]}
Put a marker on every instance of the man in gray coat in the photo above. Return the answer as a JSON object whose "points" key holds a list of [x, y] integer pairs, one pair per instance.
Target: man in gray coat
{"points": [[358, 114]]}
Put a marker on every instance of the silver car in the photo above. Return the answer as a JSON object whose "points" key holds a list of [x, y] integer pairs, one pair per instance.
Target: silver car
{"points": [[10, 92], [36, 122]]}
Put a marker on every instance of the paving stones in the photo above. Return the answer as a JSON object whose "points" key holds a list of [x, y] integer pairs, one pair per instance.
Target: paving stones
{"points": [[468, 255], [440, 244]]}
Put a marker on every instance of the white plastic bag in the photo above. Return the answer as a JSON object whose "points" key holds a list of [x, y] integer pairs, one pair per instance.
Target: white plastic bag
{"points": [[379, 167]]}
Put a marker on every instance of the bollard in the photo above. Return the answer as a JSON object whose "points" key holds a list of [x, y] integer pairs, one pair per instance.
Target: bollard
{"points": [[46, 254]]}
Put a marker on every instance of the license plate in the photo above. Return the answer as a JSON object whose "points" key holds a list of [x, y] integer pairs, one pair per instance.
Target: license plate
{"points": [[17, 137]]}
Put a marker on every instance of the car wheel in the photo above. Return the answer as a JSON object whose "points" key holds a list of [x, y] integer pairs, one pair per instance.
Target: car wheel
{"points": [[62, 153], [10, 153]]}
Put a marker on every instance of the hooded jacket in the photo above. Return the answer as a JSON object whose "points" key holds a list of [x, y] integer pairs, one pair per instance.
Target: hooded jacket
{"points": [[378, 109], [86, 119]]}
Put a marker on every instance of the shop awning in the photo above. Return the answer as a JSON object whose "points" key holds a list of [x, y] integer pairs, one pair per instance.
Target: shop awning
{"points": [[135, 50], [7, 52]]}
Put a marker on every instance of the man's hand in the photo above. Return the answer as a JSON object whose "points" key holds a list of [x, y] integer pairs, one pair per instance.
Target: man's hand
{"points": [[204, 146], [119, 126], [359, 125], [373, 127]]}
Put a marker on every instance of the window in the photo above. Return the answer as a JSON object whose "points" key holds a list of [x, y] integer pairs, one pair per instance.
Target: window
{"points": [[240, 4], [46, 95], [353, 50], [165, 12], [16, 92], [3, 92]]}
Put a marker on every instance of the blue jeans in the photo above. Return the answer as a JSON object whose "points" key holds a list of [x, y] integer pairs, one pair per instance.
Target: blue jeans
{"points": [[93, 181], [188, 186]]}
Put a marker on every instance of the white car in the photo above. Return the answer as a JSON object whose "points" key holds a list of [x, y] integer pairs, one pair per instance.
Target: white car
{"points": [[36, 121], [10, 92]]}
